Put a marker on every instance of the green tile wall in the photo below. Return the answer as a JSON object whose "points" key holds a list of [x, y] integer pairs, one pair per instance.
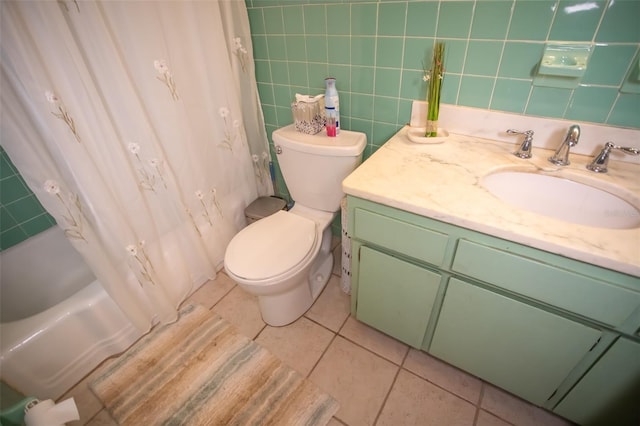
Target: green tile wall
{"points": [[21, 214], [376, 50]]}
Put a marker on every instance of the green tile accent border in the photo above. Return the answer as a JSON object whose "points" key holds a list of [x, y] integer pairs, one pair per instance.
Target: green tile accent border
{"points": [[21, 214]]}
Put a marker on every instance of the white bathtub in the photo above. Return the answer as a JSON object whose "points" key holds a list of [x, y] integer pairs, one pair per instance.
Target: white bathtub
{"points": [[57, 322]]}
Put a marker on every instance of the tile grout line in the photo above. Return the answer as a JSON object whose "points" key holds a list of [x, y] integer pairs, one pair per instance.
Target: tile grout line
{"points": [[393, 383], [371, 350], [482, 392], [439, 386], [335, 333], [386, 398], [480, 396], [308, 376]]}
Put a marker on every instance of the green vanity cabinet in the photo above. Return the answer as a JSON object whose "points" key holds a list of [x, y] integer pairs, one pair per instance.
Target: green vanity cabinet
{"points": [[555, 285], [609, 394], [557, 332], [398, 296], [522, 349], [420, 243]]}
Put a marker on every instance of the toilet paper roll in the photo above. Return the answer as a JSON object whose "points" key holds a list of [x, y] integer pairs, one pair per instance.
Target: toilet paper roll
{"points": [[48, 413]]}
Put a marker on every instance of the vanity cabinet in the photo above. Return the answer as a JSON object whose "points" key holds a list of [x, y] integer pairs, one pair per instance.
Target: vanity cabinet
{"points": [[554, 331], [557, 285], [522, 349], [609, 392], [398, 297]]}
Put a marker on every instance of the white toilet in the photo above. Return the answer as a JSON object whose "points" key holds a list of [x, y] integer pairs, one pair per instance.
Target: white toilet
{"points": [[285, 259]]}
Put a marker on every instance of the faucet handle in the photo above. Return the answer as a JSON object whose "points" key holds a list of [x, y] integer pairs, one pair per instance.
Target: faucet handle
{"points": [[525, 149], [600, 161], [628, 149], [528, 133]]}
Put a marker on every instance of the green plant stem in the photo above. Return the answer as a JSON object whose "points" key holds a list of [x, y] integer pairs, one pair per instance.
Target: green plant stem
{"points": [[436, 77]]}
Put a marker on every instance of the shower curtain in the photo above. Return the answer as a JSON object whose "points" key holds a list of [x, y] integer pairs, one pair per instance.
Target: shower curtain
{"points": [[138, 127]]}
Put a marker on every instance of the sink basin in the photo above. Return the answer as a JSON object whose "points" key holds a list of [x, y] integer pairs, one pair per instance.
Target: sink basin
{"points": [[563, 199]]}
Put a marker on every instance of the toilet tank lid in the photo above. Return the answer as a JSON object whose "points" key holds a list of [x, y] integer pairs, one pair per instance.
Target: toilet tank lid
{"points": [[346, 144]]}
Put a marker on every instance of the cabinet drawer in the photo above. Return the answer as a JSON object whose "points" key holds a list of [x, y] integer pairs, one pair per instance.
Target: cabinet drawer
{"points": [[401, 237], [522, 349], [595, 299], [394, 296]]}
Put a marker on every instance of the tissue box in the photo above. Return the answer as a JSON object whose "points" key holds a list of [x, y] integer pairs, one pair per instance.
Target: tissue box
{"points": [[308, 114]]}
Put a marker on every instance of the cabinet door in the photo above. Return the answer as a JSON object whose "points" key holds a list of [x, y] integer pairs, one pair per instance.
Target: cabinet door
{"points": [[394, 296], [609, 394], [522, 349]]}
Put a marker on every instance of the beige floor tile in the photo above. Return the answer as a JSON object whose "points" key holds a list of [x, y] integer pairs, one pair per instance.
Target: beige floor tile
{"points": [[332, 307], [300, 344], [415, 401], [102, 419], [516, 410], [87, 402], [444, 375], [212, 291], [241, 309], [358, 379], [335, 422], [488, 419], [370, 338]]}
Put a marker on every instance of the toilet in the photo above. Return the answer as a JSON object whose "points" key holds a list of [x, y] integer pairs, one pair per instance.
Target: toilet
{"points": [[285, 259]]}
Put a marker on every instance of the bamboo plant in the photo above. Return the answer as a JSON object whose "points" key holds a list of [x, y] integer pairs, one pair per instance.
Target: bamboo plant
{"points": [[434, 76]]}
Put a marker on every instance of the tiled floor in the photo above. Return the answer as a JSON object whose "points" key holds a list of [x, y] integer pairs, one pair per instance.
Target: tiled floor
{"points": [[376, 379]]}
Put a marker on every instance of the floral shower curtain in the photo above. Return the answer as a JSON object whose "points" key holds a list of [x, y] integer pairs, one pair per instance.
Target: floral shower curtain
{"points": [[138, 127]]}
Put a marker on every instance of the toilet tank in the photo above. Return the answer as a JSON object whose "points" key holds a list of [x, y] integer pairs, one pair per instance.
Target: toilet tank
{"points": [[314, 166]]}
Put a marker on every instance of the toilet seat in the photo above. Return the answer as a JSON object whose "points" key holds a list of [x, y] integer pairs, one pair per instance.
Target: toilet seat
{"points": [[271, 246]]}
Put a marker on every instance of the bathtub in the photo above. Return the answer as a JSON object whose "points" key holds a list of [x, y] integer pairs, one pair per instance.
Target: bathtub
{"points": [[57, 322]]}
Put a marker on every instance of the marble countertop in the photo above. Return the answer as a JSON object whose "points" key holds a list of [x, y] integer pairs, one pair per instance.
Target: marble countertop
{"points": [[442, 181]]}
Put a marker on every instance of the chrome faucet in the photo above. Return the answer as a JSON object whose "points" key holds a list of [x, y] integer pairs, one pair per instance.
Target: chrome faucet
{"points": [[600, 161], [525, 148], [561, 157]]}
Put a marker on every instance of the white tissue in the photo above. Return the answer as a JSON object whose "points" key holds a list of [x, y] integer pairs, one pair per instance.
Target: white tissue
{"points": [[418, 114], [48, 413], [308, 98]]}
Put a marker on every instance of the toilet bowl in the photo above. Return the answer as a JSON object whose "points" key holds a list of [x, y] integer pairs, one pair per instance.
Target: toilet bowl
{"points": [[285, 259]]}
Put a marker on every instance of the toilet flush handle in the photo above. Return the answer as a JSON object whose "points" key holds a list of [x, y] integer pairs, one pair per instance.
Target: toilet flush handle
{"points": [[278, 149]]}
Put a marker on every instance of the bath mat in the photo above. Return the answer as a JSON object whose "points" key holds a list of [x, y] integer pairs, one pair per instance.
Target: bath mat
{"points": [[200, 371]]}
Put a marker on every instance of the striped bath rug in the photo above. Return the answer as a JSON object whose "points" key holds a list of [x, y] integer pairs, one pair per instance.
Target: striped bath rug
{"points": [[200, 371]]}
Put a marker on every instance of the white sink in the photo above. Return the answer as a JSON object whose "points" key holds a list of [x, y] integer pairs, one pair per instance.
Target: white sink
{"points": [[563, 199]]}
